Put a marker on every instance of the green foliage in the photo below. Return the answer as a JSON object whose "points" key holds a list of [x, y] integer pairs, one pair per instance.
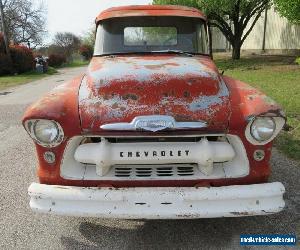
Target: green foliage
{"points": [[89, 38], [189, 3], [87, 45], [152, 36], [222, 8], [234, 18], [298, 60], [76, 63], [289, 9]]}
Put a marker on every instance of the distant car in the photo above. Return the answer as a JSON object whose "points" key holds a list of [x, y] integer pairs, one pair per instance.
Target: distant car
{"points": [[153, 130]]}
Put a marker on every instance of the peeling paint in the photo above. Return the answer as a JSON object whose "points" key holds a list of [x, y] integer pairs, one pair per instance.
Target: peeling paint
{"points": [[150, 10], [125, 68], [206, 102], [165, 203], [117, 89]]}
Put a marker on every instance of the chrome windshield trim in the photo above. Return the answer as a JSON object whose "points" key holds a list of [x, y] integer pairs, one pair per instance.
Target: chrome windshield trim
{"points": [[154, 123]]}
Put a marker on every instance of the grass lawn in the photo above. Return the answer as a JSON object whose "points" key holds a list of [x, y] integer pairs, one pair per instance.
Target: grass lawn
{"points": [[279, 78], [11, 81], [75, 64]]}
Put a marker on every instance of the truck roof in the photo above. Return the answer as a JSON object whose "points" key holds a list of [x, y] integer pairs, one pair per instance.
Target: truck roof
{"points": [[150, 10]]}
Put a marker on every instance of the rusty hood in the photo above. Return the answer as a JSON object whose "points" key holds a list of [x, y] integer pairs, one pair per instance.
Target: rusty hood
{"points": [[119, 88]]}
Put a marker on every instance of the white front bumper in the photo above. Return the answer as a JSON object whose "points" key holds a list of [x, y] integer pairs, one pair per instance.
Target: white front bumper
{"points": [[158, 203]]}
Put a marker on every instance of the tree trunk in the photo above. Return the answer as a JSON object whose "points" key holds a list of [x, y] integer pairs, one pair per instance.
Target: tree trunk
{"points": [[236, 49], [210, 41], [4, 30], [265, 30]]}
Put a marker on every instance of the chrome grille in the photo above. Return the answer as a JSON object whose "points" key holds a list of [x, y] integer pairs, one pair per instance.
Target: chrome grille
{"points": [[123, 172], [188, 171], [153, 171], [73, 170]]}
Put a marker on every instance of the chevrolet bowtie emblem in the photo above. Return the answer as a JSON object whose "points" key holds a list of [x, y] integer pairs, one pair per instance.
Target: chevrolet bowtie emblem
{"points": [[154, 123]]}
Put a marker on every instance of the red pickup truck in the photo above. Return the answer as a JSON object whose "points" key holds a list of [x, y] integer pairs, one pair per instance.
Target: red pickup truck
{"points": [[153, 130]]}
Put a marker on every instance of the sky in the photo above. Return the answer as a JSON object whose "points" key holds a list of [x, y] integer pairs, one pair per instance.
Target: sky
{"points": [[77, 16]]}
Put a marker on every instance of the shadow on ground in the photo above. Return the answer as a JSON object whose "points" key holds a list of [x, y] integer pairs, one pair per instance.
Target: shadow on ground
{"points": [[205, 233]]}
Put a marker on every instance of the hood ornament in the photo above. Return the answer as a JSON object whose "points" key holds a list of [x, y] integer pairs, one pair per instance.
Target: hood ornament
{"points": [[154, 123]]}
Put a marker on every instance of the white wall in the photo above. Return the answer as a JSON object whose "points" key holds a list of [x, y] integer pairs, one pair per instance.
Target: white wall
{"points": [[280, 35]]}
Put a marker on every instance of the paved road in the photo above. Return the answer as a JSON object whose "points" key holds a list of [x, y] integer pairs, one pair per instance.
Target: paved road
{"points": [[22, 229]]}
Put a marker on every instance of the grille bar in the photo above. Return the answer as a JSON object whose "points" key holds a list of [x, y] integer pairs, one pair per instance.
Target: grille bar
{"points": [[153, 171]]}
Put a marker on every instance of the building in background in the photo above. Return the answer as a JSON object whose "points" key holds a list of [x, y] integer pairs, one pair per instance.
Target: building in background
{"points": [[280, 36]]}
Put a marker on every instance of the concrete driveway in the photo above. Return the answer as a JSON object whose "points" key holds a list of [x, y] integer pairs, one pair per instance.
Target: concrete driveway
{"points": [[22, 229]]}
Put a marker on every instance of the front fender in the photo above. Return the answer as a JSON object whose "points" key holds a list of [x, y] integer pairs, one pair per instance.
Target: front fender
{"points": [[247, 102], [60, 105]]}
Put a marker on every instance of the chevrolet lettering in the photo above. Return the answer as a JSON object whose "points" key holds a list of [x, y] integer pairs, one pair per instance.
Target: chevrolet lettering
{"points": [[166, 153]]}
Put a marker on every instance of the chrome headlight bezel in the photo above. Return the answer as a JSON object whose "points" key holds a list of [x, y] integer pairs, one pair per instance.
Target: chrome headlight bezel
{"points": [[31, 126], [260, 124], [279, 122]]}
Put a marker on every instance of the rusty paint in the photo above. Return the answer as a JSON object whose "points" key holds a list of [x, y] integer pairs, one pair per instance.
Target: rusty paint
{"points": [[68, 102], [125, 87], [186, 94], [150, 10], [248, 102], [130, 96]]}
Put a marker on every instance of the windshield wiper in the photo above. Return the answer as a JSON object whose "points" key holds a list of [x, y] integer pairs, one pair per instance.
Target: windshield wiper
{"points": [[173, 51], [167, 51], [122, 53]]}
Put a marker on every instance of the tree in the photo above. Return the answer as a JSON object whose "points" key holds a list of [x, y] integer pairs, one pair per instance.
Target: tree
{"points": [[25, 21], [87, 45], [289, 9], [3, 36], [234, 18], [89, 38], [68, 42]]}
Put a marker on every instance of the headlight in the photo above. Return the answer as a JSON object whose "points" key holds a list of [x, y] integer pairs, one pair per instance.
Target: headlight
{"points": [[45, 132], [263, 128]]}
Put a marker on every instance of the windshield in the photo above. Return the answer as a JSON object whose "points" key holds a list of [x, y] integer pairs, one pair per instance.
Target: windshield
{"points": [[151, 34]]}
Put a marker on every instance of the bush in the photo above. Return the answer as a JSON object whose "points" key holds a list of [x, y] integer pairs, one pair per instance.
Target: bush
{"points": [[5, 66], [298, 60], [86, 51], [22, 58], [56, 60]]}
